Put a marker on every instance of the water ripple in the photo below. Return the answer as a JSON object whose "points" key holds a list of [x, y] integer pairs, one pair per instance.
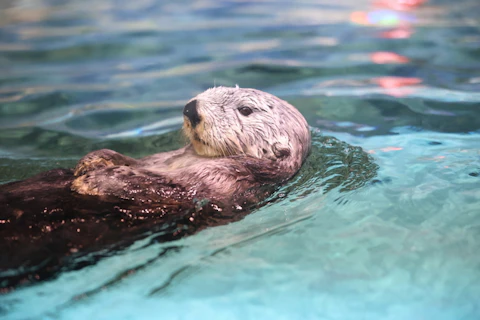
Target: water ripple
{"points": [[398, 78]]}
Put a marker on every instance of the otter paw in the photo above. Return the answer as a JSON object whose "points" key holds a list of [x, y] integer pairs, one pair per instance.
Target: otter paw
{"points": [[89, 164], [82, 185]]}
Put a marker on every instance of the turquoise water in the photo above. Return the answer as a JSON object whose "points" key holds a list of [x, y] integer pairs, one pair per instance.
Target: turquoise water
{"points": [[402, 84]]}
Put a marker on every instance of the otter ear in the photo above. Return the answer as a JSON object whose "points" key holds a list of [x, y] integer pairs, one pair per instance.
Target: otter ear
{"points": [[280, 150]]}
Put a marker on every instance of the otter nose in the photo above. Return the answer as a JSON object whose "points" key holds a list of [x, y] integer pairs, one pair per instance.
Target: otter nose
{"points": [[190, 111]]}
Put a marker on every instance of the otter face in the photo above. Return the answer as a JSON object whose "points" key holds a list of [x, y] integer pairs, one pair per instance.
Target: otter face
{"points": [[235, 121]]}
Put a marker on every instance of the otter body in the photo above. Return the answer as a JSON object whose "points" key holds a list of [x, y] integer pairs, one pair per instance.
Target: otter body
{"points": [[243, 143], [240, 139]]}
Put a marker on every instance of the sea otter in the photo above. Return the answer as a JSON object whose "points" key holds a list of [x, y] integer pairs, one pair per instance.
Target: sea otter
{"points": [[240, 139], [243, 143]]}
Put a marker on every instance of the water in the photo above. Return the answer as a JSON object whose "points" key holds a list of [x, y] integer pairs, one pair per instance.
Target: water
{"points": [[403, 85]]}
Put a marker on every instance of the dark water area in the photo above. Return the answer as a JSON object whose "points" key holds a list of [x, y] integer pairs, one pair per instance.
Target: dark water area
{"points": [[400, 81]]}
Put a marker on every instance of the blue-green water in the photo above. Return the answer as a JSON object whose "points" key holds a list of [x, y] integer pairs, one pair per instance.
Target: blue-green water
{"points": [[404, 85]]}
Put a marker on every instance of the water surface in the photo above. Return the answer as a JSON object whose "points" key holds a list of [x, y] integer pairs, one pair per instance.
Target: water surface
{"points": [[402, 83]]}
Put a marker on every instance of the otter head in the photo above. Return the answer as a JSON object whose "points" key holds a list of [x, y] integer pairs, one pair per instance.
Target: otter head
{"points": [[226, 121]]}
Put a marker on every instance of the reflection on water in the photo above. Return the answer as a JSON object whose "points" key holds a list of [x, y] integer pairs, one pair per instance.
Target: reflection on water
{"points": [[398, 78]]}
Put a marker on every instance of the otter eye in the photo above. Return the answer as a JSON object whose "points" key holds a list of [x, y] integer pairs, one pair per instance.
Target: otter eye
{"points": [[245, 111]]}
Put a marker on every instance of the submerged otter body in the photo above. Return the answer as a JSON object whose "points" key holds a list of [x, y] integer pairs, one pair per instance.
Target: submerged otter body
{"points": [[243, 143]]}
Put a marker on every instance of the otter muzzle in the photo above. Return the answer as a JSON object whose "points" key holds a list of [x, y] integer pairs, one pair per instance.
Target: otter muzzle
{"points": [[190, 111]]}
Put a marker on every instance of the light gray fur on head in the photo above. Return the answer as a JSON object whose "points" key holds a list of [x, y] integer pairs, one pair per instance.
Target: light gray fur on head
{"points": [[274, 130]]}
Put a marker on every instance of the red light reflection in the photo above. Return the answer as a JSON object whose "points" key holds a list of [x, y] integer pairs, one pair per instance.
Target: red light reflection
{"points": [[384, 57]]}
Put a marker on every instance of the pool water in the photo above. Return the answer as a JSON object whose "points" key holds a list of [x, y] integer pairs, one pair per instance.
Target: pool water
{"points": [[402, 82]]}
